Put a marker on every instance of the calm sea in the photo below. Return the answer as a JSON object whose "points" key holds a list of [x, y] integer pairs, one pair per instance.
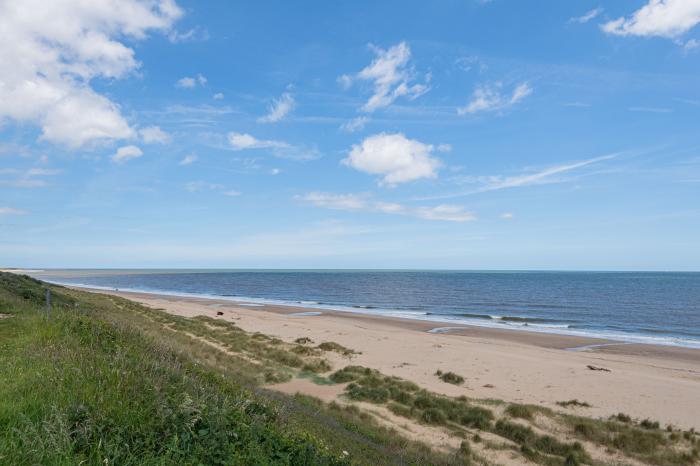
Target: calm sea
{"points": [[645, 307]]}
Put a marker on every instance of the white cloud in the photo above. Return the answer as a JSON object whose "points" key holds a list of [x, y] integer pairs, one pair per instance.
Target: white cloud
{"points": [[280, 149], [11, 211], [506, 215], [592, 14], [189, 82], [445, 212], [690, 44], [218, 96], [186, 82], [497, 182], [195, 186], [53, 50], [243, 141], [391, 76], [191, 35], [356, 124], [359, 202], [489, 98], [275, 171], [126, 153], [279, 109], [30, 178], [396, 157], [188, 159], [650, 109], [154, 135], [541, 177], [663, 18]]}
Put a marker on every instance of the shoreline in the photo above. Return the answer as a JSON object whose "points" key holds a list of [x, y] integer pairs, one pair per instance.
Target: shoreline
{"points": [[578, 340], [644, 381]]}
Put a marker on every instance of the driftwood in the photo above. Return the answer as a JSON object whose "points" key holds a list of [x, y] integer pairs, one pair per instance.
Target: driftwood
{"points": [[596, 368]]}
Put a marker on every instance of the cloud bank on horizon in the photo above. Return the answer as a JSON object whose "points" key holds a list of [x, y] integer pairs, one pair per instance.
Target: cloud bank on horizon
{"points": [[153, 110]]}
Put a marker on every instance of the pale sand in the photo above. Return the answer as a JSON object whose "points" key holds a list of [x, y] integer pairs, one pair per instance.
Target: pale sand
{"points": [[645, 381]]}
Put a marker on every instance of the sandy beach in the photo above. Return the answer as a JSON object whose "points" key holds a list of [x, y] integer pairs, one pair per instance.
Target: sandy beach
{"points": [[644, 381]]}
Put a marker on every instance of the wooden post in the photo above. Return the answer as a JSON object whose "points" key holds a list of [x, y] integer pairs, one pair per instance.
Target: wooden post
{"points": [[48, 302]]}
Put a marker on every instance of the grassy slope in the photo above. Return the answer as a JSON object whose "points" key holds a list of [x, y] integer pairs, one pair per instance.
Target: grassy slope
{"points": [[106, 380], [103, 382]]}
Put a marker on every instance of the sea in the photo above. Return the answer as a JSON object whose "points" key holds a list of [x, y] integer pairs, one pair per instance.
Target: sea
{"points": [[637, 307]]}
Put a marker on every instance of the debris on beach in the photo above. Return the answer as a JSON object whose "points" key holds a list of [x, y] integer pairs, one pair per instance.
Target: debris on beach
{"points": [[596, 368]]}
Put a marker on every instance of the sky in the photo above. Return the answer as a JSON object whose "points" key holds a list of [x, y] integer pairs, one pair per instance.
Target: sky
{"points": [[454, 134]]}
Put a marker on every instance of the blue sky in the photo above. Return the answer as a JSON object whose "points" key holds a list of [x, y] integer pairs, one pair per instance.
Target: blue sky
{"points": [[453, 134]]}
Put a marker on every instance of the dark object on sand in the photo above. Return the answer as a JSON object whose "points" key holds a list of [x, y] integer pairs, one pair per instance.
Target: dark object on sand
{"points": [[219, 313], [596, 368]]}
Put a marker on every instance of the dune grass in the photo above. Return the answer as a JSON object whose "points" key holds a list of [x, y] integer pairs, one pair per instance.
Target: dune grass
{"points": [[519, 424], [107, 381]]}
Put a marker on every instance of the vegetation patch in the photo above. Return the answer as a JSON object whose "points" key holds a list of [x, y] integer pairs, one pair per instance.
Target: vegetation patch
{"points": [[450, 377], [573, 403], [337, 348]]}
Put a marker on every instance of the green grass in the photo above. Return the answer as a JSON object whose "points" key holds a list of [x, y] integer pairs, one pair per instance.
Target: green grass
{"points": [[78, 389], [108, 381], [336, 347]]}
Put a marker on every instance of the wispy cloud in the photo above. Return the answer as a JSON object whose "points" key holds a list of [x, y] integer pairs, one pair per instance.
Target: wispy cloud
{"points": [[279, 109], [12, 211], [280, 149], [244, 141], [198, 186], [189, 82], [362, 202], [592, 14], [650, 109], [489, 98], [356, 124], [188, 159], [391, 75], [126, 153], [498, 182], [154, 135], [29, 178], [195, 34]]}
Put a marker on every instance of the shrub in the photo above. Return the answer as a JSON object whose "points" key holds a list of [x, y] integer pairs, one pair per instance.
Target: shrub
{"points": [[401, 410], [336, 347], [477, 417], [433, 416], [649, 424], [574, 402], [373, 394], [451, 377], [520, 411]]}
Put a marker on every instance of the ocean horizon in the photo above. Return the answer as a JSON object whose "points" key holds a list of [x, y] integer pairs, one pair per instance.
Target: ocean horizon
{"points": [[636, 307]]}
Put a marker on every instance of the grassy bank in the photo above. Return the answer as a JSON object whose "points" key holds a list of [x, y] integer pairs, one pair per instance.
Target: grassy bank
{"points": [[104, 381]]}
